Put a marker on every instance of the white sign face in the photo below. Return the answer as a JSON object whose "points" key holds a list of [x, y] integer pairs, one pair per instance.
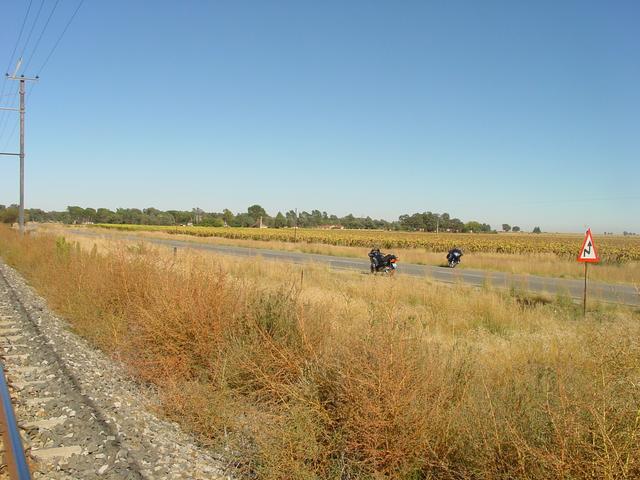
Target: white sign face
{"points": [[588, 252]]}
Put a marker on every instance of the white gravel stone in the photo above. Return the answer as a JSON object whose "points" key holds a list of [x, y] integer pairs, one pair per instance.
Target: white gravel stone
{"points": [[107, 412]]}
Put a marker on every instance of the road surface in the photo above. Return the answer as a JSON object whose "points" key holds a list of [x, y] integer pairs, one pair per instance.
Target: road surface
{"points": [[573, 288]]}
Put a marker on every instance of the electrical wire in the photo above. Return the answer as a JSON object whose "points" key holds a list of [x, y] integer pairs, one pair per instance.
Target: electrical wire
{"points": [[55, 46], [10, 102], [4, 119], [35, 48], [48, 57], [10, 137], [3, 113], [15, 47], [24, 48], [33, 26], [28, 95]]}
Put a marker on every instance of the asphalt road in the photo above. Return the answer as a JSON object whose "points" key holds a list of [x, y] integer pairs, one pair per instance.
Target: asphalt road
{"points": [[605, 292]]}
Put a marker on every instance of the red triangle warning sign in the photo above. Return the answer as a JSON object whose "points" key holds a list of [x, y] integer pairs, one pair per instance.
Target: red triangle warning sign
{"points": [[588, 252]]}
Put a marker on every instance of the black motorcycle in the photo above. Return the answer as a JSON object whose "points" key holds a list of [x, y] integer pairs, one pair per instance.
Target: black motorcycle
{"points": [[454, 256], [386, 264]]}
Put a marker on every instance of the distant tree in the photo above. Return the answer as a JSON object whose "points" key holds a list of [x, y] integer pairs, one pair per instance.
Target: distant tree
{"points": [[75, 213], [212, 221], [537, 230], [244, 220], [515, 229], [506, 227], [316, 218], [473, 226], [89, 214], [291, 218], [9, 215], [228, 217], [368, 223], [104, 215], [197, 215], [35, 214], [456, 225], [256, 211], [280, 221]]}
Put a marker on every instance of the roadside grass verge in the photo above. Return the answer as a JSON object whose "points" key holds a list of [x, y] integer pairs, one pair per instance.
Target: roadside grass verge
{"points": [[347, 376], [545, 264]]}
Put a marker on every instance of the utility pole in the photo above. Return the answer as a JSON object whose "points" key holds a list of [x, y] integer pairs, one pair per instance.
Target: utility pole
{"points": [[22, 79]]}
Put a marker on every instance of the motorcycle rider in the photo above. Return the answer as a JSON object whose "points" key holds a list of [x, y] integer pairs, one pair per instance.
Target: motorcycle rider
{"points": [[376, 258], [454, 253]]}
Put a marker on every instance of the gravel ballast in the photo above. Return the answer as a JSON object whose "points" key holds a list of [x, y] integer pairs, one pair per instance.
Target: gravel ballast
{"points": [[71, 396]]}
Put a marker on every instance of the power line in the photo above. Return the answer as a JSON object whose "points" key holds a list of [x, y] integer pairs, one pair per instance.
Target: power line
{"points": [[10, 137], [4, 119], [15, 47], [55, 46], [24, 47], [3, 125], [35, 48], [17, 122], [33, 26]]}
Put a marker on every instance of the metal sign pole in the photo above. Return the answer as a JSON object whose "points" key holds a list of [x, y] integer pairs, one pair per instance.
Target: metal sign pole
{"points": [[584, 304]]}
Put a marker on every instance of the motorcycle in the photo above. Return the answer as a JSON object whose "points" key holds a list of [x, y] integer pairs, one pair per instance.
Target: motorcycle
{"points": [[453, 257], [385, 264]]}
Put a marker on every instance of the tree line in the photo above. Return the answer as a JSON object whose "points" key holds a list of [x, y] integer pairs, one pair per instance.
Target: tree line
{"points": [[253, 217]]}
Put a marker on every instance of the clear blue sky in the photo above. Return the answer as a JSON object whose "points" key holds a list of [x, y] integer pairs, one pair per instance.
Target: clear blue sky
{"points": [[519, 112]]}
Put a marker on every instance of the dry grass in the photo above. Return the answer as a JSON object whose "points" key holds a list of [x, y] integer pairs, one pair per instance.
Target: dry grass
{"points": [[546, 264], [349, 376]]}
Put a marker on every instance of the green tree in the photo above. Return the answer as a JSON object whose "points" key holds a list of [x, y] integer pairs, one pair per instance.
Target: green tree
{"points": [[244, 220], [9, 215], [228, 217], [515, 228], [104, 215], [537, 230], [256, 211], [280, 221], [212, 221], [473, 226], [506, 227]]}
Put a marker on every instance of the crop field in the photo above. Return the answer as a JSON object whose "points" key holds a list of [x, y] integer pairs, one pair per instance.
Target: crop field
{"points": [[612, 249], [347, 376]]}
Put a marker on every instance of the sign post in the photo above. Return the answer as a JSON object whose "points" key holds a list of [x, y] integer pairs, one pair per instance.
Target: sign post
{"points": [[588, 254]]}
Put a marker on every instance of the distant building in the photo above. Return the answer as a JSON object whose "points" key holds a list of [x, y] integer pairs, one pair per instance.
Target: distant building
{"points": [[259, 224]]}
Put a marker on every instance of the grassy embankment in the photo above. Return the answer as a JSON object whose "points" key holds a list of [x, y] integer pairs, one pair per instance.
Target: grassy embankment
{"points": [[351, 376], [523, 262]]}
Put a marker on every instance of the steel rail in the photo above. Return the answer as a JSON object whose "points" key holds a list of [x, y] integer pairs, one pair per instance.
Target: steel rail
{"points": [[13, 449]]}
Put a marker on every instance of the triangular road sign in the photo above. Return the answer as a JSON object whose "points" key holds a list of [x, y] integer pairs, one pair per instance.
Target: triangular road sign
{"points": [[588, 252]]}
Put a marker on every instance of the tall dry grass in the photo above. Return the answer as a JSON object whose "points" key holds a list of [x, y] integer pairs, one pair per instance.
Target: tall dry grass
{"points": [[545, 264], [349, 376]]}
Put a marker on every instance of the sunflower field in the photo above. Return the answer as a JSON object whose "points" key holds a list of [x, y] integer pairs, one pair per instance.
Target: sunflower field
{"points": [[611, 248]]}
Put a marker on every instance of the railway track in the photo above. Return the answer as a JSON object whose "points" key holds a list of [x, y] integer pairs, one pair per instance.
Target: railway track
{"points": [[63, 434], [76, 418]]}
